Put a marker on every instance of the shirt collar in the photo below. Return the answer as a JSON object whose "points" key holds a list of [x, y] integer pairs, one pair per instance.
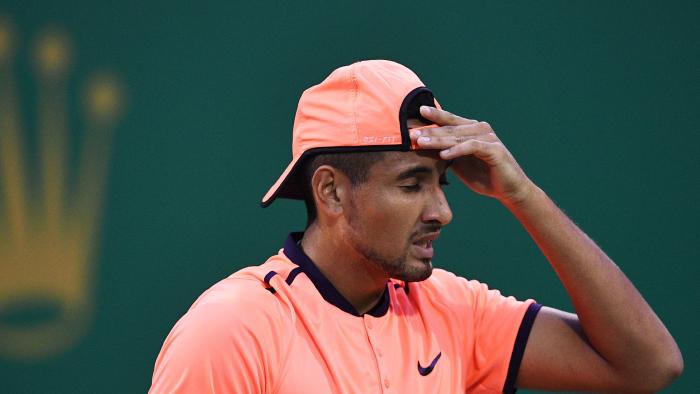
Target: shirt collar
{"points": [[293, 251]]}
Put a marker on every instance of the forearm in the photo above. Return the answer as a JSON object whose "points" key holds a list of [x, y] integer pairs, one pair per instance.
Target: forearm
{"points": [[616, 320]]}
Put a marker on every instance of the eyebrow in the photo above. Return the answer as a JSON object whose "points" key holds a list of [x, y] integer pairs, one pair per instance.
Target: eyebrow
{"points": [[414, 172]]}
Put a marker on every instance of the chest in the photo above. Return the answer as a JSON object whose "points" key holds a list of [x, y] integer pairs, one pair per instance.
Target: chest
{"points": [[389, 354]]}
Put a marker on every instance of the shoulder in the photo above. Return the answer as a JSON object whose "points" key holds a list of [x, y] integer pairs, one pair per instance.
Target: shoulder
{"points": [[229, 313], [444, 288], [231, 339], [446, 285], [235, 299], [238, 307], [240, 301]]}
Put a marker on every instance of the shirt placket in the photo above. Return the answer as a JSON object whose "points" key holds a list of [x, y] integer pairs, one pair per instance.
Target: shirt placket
{"points": [[373, 336]]}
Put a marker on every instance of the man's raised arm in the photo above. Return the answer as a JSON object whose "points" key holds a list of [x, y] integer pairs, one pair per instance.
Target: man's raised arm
{"points": [[615, 341]]}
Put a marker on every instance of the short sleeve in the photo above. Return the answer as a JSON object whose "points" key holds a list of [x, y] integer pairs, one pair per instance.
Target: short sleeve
{"points": [[496, 329], [497, 320], [229, 341]]}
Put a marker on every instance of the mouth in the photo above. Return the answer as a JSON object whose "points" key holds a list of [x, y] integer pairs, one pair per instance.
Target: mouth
{"points": [[423, 246]]}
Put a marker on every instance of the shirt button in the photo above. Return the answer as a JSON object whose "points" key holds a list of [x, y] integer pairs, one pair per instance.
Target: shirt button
{"points": [[379, 352], [369, 324], [386, 382]]}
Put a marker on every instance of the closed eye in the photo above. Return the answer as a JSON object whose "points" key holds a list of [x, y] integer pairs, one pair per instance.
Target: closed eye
{"points": [[412, 188], [418, 187]]}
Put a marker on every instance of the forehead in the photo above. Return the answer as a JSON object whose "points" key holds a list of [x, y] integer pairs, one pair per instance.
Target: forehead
{"points": [[394, 163]]}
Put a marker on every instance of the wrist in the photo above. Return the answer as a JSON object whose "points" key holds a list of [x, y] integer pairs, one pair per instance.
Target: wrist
{"points": [[526, 196]]}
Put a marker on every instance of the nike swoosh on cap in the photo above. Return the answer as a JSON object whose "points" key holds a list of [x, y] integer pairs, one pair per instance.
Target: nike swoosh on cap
{"points": [[427, 370]]}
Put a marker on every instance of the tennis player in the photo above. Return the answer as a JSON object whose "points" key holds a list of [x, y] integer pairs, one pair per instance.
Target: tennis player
{"points": [[354, 305]]}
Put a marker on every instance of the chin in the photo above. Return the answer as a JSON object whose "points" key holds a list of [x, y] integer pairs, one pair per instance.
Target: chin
{"points": [[417, 272]]}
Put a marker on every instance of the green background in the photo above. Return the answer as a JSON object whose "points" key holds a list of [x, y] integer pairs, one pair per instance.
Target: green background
{"points": [[598, 102]]}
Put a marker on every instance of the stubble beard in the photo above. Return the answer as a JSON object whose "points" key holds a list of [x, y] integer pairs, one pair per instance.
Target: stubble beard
{"points": [[394, 267]]}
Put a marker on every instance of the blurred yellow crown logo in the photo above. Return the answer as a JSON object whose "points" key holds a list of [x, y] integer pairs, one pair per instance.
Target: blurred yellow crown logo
{"points": [[50, 210]]}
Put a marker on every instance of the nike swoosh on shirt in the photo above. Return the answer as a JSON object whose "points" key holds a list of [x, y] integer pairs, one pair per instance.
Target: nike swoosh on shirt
{"points": [[426, 370]]}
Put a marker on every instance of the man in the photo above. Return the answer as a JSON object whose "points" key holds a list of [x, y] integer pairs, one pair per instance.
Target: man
{"points": [[353, 305]]}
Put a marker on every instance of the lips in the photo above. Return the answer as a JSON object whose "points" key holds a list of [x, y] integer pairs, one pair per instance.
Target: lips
{"points": [[423, 245], [427, 244]]}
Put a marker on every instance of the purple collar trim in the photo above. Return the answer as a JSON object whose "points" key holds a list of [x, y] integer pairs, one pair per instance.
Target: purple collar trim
{"points": [[329, 293]]}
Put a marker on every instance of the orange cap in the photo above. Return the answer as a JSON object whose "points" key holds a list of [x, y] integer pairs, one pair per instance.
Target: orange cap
{"points": [[357, 108]]}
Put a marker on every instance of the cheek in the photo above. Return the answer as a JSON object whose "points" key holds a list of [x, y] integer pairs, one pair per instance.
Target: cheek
{"points": [[392, 220]]}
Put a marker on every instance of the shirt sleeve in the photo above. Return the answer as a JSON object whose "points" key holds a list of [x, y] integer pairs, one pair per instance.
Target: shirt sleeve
{"points": [[491, 324], [228, 342], [495, 323]]}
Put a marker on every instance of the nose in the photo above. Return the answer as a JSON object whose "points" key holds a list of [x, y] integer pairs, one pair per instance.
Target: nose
{"points": [[437, 209]]}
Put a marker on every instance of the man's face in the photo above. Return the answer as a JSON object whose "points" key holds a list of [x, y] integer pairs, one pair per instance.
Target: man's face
{"points": [[395, 215]]}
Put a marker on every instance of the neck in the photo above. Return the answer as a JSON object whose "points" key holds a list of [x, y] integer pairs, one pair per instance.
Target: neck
{"points": [[358, 280]]}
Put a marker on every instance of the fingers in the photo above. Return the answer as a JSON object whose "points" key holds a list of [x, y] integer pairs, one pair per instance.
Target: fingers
{"points": [[484, 150], [472, 129], [443, 137], [448, 141], [474, 138], [442, 117]]}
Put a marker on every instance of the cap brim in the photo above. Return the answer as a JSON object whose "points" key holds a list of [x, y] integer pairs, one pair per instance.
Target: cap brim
{"points": [[282, 186]]}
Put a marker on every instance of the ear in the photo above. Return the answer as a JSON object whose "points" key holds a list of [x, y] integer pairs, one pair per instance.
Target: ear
{"points": [[329, 187]]}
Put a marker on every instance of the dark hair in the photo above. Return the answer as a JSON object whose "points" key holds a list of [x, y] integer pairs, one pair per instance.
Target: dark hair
{"points": [[355, 165]]}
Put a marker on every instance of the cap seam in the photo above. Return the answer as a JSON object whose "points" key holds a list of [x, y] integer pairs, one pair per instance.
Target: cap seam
{"points": [[355, 87]]}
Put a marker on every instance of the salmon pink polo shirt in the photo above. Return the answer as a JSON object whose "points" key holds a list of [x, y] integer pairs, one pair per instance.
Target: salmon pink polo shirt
{"points": [[281, 327]]}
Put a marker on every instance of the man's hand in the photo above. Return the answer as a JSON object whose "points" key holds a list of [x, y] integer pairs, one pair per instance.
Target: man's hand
{"points": [[479, 157]]}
